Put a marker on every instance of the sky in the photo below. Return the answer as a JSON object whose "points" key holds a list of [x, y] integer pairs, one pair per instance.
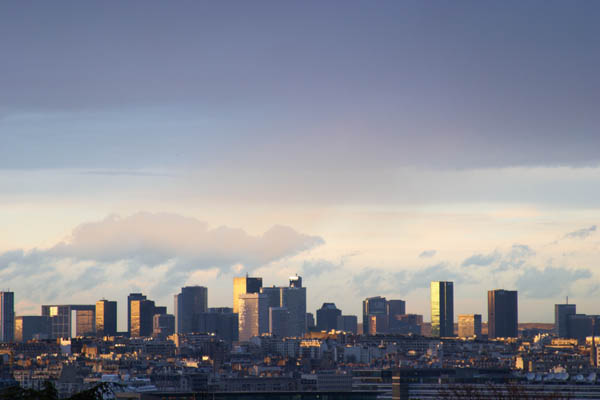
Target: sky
{"points": [[370, 147]]}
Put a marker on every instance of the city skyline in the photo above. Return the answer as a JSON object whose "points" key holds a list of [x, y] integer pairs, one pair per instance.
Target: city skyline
{"points": [[370, 150]]}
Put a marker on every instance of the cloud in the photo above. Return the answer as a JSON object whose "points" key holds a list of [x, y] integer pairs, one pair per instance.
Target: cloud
{"points": [[513, 258], [427, 254], [549, 282], [581, 233], [168, 246]]}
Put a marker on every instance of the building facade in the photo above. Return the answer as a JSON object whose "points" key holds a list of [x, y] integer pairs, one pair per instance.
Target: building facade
{"points": [[469, 325], [442, 309], [503, 313], [253, 316], [7, 317], [244, 285], [106, 318], [561, 319], [327, 317], [189, 304]]}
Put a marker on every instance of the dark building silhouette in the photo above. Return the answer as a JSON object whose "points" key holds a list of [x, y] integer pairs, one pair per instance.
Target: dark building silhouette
{"points": [[347, 323], [442, 309], [396, 307], [580, 326], [7, 317], [106, 318], [28, 327], [561, 319], [163, 325], [189, 304], [279, 318], [327, 317], [222, 322], [142, 315], [373, 306], [406, 324], [130, 298], [503, 313]]}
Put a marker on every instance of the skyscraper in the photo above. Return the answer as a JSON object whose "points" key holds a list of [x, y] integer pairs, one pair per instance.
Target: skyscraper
{"points": [[347, 323], [373, 306], [503, 314], [244, 285], [28, 327], [442, 309], [279, 321], [61, 319], [294, 299], [469, 325], [130, 298], [253, 316], [163, 325], [142, 314], [189, 304], [7, 316], [561, 319], [327, 317], [106, 318]]}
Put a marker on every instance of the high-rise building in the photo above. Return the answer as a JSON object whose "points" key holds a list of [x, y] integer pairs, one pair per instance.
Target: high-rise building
{"points": [[130, 298], [142, 314], [106, 318], [163, 325], [274, 294], [442, 309], [378, 324], [189, 304], [7, 317], [561, 319], [61, 319], [373, 306], [347, 323], [279, 321], [244, 285], [310, 321], [253, 316], [503, 313], [469, 325], [222, 322], [405, 324], [327, 317], [294, 299], [28, 327], [396, 307]]}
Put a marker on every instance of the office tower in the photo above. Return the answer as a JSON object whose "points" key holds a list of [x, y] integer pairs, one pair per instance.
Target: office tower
{"points": [[503, 314], [253, 316], [244, 285], [580, 326], [327, 317], [61, 321], [106, 318], [294, 299], [310, 321], [274, 295], [192, 301], [142, 314], [442, 309], [373, 306], [279, 321], [396, 307], [130, 298], [469, 325], [561, 317], [163, 325], [378, 324], [347, 323], [7, 316], [220, 321], [29, 327], [406, 324]]}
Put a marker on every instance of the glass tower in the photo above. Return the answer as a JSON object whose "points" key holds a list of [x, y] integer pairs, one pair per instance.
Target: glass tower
{"points": [[442, 309]]}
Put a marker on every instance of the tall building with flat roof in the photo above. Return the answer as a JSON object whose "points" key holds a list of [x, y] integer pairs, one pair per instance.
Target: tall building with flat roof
{"points": [[469, 325], [142, 318], [7, 317], [130, 298], [244, 285], [106, 318], [503, 313], [347, 323], [294, 299], [442, 309], [253, 316], [373, 306], [279, 321], [28, 327], [189, 304], [61, 320], [327, 317], [561, 319]]}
